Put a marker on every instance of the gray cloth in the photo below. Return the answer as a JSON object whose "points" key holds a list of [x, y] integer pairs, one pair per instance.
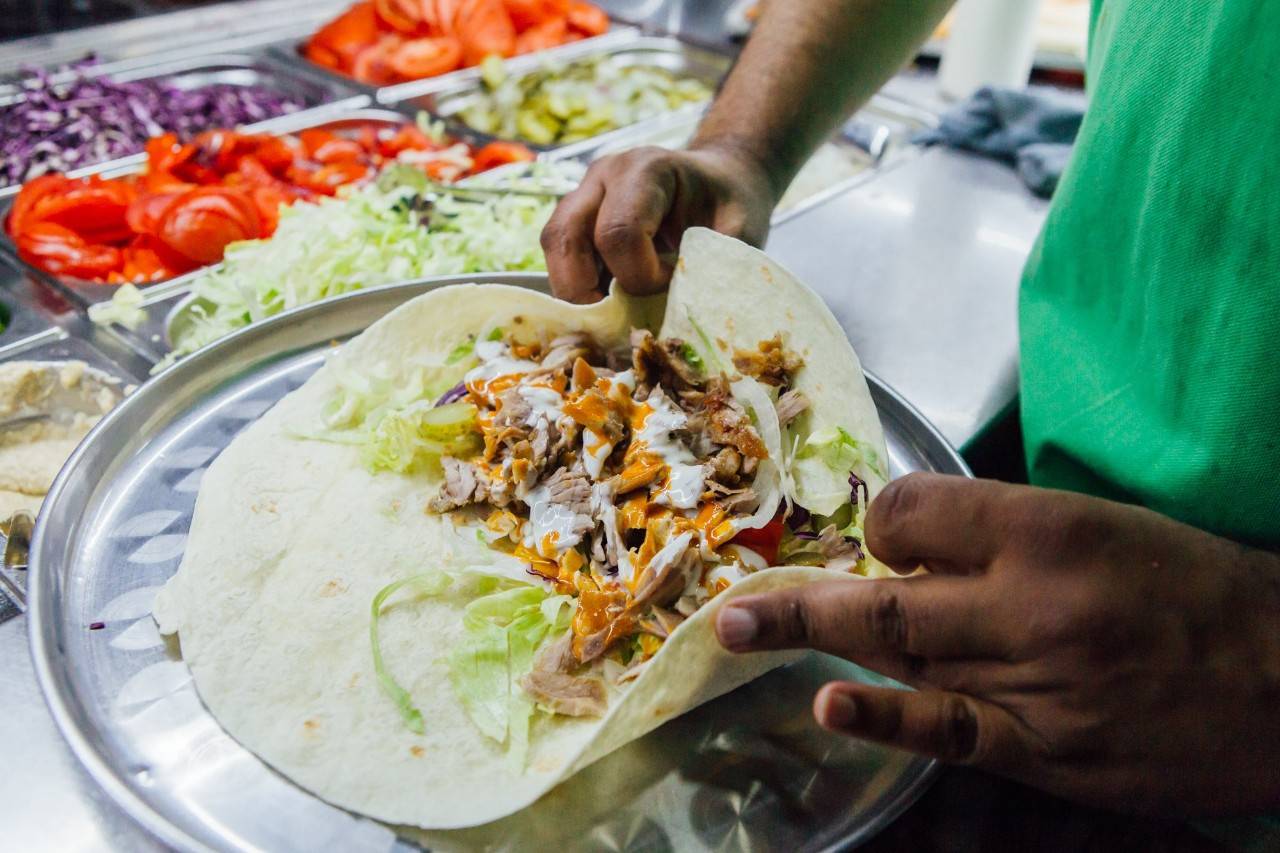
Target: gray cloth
{"points": [[1031, 130]]}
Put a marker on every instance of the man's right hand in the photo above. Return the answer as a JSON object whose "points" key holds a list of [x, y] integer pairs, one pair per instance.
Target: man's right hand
{"points": [[626, 218]]}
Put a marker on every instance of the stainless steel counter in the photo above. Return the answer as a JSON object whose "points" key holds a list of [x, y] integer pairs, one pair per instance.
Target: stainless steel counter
{"points": [[921, 266]]}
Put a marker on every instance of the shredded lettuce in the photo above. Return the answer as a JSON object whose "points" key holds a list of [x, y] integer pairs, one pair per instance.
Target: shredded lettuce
{"points": [[840, 451], [504, 625], [418, 434], [709, 354], [124, 307], [431, 584]]}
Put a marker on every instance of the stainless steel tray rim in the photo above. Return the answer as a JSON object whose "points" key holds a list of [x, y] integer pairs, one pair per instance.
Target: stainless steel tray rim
{"points": [[45, 605]]}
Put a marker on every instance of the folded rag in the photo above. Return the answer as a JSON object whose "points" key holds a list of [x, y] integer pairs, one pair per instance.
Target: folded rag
{"points": [[1032, 130]]}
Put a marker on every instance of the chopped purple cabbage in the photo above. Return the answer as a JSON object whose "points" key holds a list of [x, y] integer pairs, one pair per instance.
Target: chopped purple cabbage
{"points": [[806, 535], [856, 483], [797, 516], [453, 395], [59, 126]]}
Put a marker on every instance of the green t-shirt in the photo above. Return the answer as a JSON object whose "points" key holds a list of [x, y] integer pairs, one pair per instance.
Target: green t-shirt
{"points": [[1150, 307]]}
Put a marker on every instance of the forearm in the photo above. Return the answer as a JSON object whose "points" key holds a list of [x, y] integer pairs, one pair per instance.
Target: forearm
{"points": [[809, 65]]}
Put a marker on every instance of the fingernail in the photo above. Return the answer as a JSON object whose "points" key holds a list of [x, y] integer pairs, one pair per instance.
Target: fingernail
{"points": [[737, 627], [840, 711]]}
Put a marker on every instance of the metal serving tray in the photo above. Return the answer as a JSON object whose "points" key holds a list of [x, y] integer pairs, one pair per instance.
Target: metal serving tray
{"points": [[448, 100], [749, 771], [86, 293]]}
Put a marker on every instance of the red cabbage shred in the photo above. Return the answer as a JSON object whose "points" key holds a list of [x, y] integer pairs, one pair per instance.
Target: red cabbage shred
{"points": [[60, 126]]}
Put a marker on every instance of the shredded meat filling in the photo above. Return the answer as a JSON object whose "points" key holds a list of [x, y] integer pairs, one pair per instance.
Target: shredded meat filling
{"points": [[770, 362], [566, 694]]}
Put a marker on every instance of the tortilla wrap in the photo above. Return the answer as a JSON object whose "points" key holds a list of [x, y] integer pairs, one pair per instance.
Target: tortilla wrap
{"points": [[292, 539]]}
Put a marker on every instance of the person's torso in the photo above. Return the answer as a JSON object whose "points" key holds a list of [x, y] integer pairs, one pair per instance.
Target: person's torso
{"points": [[1150, 309]]}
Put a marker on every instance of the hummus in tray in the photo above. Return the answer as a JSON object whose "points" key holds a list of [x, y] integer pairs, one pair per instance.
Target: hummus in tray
{"points": [[46, 408]]}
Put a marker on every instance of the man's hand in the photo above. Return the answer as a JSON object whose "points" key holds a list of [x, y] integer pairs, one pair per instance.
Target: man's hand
{"points": [[1096, 650], [626, 218]]}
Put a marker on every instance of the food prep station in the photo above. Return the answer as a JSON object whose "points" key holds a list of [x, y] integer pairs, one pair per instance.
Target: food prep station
{"points": [[917, 252]]}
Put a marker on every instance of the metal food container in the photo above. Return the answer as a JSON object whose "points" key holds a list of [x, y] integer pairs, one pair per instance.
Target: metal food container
{"points": [[309, 89], [449, 98], [84, 293]]}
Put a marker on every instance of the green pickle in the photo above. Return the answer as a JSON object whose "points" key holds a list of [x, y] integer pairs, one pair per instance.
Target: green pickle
{"points": [[566, 103]]}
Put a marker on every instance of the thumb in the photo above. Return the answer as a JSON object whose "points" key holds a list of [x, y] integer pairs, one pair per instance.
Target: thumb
{"points": [[948, 726]]}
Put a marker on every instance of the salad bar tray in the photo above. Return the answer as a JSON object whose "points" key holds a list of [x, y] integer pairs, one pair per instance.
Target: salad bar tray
{"points": [[748, 771], [451, 99]]}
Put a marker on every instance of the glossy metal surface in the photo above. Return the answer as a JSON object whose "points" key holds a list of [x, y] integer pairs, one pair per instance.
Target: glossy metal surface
{"points": [[750, 770]]}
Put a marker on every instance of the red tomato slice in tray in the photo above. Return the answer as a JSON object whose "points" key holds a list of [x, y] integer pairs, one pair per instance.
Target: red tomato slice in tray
{"points": [[550, 33], [373, 64], [147, 210], [427, 57], [485, 29], [322, 56], [348, 34], [92, 207], [402, 15], [30, 197], [499, 154], [407, 137], [200, 223], [587, 19], [763, 541], [530, 13], [61, 251]]}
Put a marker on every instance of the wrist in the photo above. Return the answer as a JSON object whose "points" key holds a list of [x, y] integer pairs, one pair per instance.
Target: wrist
{"points": [[747, 155]]}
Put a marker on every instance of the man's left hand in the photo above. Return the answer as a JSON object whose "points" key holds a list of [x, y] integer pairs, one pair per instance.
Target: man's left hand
{"points": [[1093, 649]]}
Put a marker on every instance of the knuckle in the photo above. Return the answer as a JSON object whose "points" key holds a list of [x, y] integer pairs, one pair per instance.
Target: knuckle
{"points": [[794, 622], [617, 236], [957, 730], [887, 621]]}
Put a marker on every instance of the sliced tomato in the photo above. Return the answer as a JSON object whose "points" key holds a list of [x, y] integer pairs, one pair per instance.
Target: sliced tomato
{"points": [[173, 262], [549, 33], [269, 200], [199, 224], [763, 541], [31, 196], [407, 137], [373, 64], [147, 211], [530, 13], [485, 29], [349, 33], [402, 15], [587, 19], [142, 263], [322, 56], [337, 149], [92, 207], [427, 57], [499, 154], [165, 153], [327, 179], [446, 15], [61, 251]]}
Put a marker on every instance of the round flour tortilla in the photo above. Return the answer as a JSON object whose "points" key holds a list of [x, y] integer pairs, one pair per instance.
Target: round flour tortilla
{"points": [[293, 538]]}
